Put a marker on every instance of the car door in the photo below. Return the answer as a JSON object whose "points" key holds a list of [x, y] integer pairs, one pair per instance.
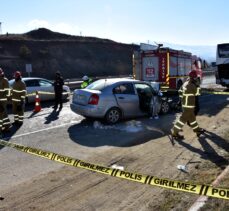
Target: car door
{"points": [[47, 88], [32, 86], [127, 99], [145, 93]]}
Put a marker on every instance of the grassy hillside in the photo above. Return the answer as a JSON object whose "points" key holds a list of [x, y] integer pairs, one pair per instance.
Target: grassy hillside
{"points": [[74, 56]]}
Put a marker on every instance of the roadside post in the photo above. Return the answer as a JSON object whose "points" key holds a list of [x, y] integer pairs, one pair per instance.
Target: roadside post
{"points": [[28, 69]]}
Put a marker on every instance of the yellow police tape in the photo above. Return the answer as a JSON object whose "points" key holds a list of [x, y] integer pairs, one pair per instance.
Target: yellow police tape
{"points": [[190, 187]]}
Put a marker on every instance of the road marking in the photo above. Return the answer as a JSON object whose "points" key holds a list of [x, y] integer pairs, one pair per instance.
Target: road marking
{"points": [[41, 130]]}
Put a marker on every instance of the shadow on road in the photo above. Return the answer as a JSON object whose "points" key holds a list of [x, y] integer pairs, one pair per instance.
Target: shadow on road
{"points": [[6, 136], [208, 152], [31, 106], [124, 134], [211, 105], [150, 129], [54, 115]]}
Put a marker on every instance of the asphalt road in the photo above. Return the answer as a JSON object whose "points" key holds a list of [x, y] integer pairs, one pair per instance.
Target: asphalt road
{"points": [[70, 134], [66, 133]]}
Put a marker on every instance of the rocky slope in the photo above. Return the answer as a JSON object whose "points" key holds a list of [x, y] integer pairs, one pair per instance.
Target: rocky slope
{"points": [[74, 56]]}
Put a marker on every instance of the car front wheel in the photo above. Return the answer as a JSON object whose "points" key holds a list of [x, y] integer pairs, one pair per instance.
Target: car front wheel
{"points": [[164, 107], [113, 115]]}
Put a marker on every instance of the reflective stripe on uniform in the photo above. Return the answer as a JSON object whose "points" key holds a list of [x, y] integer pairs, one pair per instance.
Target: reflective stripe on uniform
{"points": [[177, 127], [192, 123], [195, 127], [180, 122], [6, 123], [18, 91], [6, 120], [16, 100], [186, 106], [188, 95]]}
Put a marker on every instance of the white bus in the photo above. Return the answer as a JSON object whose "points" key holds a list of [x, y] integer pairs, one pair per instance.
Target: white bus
{"points": [[222, 64]]}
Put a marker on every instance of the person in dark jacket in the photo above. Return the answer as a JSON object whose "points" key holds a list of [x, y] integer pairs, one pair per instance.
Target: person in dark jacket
{"points": [[58, 88]]}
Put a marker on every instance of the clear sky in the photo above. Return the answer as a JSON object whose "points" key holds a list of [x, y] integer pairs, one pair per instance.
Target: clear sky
{"points": [[186, 22]]}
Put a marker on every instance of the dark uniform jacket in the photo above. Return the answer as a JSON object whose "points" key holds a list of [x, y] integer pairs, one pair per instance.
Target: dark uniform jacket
{"points": [[58, 85]]}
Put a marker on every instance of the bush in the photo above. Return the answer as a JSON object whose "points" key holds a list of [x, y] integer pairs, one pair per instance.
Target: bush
{"points": [[25, 52]]}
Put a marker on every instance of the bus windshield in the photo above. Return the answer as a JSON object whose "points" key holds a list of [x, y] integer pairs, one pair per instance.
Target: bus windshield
{"points": [[223, 50]]}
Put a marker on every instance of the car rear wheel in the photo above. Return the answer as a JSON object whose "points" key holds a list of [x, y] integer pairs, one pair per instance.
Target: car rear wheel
{"points": [[113, 116], [164, 107]]}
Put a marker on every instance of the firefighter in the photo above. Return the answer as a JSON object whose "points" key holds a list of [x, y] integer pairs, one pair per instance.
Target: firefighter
{"points": [[18, 98], [189, 93], [5, 124], [58, 88], [86, 82]]}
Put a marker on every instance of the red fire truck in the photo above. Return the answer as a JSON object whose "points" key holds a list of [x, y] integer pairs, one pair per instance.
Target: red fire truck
{"points": [[167, 66]]}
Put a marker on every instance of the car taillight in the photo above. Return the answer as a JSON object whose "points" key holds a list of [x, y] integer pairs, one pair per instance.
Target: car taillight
{"points": [[94, 99]]}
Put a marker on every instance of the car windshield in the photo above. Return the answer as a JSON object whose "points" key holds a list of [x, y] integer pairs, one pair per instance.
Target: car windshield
{"points": [[45, 83], [98, 85]]}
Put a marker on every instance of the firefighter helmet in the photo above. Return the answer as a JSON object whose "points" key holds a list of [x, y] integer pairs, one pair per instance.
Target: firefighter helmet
{"points": [[17, 74], [85, 78], [193, 74]]}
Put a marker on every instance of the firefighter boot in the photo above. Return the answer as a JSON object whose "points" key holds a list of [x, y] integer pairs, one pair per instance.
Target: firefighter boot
{"points": [[176, 135], [199, 132], [7, 128]]}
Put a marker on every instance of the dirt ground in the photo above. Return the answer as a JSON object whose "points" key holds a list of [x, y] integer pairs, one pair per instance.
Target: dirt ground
{"points": [[77, 189]]}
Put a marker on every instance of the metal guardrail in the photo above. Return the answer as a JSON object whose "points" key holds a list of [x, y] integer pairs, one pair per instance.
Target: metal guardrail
{"points": [[75, 83]]}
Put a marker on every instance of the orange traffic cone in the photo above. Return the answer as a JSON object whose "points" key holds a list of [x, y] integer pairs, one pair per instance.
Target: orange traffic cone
{"points": [[37, 103]]}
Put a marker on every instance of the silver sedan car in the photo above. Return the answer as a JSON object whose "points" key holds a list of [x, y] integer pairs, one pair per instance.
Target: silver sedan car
{"points": [[115, 99], [41, 85]]}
